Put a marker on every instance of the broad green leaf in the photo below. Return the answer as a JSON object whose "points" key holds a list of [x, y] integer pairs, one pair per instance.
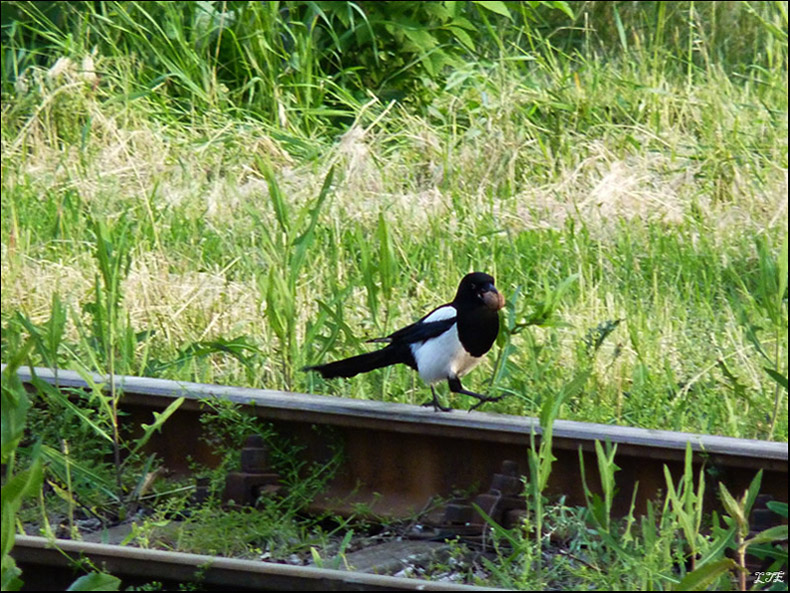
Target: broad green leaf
{"points": [[96, 581], [780, 379], [561, 6], [752, 492], [15, 403], [463, 37], [772, 534], [10, 575], [780, 508], [551, 409], [495, 6], [421, 39], [731, 505], [777, 553], [463, 23], [720, 545], [23, 484], [704, 576]]}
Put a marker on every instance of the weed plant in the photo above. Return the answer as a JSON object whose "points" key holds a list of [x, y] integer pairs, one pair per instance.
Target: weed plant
{"points": [[278, 526], [669, 548], [639, 150], [226, 192]]}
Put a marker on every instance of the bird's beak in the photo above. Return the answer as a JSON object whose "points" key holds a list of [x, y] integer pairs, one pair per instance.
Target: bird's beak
{"points": [[493, 299]]}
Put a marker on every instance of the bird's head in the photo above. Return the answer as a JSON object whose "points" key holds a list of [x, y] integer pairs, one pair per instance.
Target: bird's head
{"points": [[478, 288]]}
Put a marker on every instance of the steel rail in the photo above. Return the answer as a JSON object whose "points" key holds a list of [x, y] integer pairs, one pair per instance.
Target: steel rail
{"points": [[401, 455], [405, 418], [41, 556], [397, 457]]}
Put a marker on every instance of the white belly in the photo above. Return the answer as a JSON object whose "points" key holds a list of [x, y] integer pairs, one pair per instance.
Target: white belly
{"points": [[442, 358]]}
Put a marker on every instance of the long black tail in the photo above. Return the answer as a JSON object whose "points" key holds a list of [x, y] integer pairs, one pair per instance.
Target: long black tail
{"points": [[348, 367]]}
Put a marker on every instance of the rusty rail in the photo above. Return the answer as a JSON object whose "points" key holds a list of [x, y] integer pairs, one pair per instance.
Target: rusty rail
{"points": [[398, 456], [51, 562]]}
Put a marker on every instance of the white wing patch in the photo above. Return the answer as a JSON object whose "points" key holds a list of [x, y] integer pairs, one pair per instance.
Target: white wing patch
{"points": [[440, 314]]}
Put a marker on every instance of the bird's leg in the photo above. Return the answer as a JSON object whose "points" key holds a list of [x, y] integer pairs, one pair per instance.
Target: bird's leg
{"points": [[435, 403], [456, 387]]}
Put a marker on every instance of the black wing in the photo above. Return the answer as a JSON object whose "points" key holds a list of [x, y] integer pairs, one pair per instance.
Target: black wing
{"points": [[419, 331]]}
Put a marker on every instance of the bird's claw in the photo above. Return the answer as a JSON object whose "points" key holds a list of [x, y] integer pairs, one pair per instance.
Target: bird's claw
{"points": [[484, 400], [436, 406]]}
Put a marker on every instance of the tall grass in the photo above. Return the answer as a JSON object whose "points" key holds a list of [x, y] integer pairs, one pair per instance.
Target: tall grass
{"points": [[638, 148]]}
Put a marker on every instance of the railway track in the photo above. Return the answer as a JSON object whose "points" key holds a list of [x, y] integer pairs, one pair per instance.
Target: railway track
{"points": [[397, 457], [48, 567]]}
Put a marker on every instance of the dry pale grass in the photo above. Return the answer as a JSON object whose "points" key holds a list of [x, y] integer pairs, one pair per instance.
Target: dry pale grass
{"points": [[199, 305], [389, 164], [152, 167]]}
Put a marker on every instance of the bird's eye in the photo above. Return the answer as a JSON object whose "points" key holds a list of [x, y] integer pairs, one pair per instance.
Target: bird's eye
{"points": [[473, 286]]}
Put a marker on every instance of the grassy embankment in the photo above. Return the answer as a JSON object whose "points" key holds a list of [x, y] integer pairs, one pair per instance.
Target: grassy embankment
{"points": [[627, 165]]}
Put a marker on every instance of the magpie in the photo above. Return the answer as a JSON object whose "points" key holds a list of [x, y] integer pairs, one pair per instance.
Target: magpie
{"points": [[442, 346]]}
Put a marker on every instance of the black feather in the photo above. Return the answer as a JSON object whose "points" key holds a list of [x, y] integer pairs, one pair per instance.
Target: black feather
{"points": [[348, 367], [445, 348], [419, 331]]}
